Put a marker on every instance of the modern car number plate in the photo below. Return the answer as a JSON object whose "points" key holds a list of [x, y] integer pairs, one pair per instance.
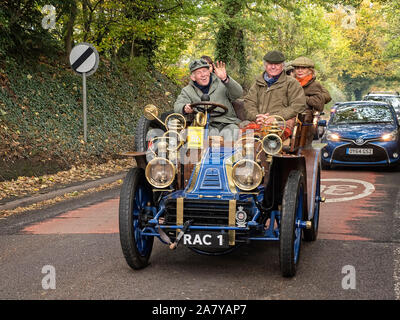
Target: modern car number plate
{"points": [[360, 151], [206, 239]]}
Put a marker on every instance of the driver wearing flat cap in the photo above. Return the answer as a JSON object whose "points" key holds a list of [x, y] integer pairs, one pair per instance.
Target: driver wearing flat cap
{"points": [[274, 93], [221, 89]]}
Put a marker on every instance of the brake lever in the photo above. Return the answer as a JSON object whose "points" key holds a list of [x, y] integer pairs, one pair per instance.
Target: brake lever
{"points": [[180, 235]]}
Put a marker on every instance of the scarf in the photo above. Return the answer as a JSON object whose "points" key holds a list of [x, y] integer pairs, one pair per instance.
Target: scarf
{"points": [[203, 89], [271, 81], [305, 80]]}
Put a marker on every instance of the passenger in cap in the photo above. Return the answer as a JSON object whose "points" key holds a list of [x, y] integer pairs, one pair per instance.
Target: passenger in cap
{"points": [[274, 93], [221, 89], [316, 95], [289, 69], [210, 62]]}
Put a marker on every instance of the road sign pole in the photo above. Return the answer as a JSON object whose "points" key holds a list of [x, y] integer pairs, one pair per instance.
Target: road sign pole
{"points": [[84, 60], [84, 107]]}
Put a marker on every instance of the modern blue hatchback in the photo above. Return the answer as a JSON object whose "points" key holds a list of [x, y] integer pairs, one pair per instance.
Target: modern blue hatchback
{"points": [[361, 133]]}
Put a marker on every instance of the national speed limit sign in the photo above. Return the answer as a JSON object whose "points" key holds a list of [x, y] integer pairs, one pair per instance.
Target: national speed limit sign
{"points": [[84, 58]]}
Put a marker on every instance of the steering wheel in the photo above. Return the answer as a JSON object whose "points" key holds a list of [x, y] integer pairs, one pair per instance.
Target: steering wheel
{"points": [[210, 108]]}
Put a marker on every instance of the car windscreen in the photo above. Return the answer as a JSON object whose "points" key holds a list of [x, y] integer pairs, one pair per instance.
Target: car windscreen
{"points": [[360, 114]]}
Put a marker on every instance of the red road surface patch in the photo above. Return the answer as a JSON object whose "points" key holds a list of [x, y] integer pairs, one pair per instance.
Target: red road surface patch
{"points": [[336, 218], [97, 218]]}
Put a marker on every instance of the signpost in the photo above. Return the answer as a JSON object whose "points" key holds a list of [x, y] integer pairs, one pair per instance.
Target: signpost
{"points": [[84, 60]]}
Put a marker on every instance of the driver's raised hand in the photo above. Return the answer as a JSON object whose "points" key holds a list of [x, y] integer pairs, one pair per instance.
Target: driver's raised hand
{"points": [[220, 71], [187, 109]]}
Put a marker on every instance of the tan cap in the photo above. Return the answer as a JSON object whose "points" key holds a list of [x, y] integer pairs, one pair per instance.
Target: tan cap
{"points": [[303, 62]]}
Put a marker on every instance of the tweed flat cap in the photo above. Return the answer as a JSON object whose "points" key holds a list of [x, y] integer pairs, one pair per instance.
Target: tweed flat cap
{"points": [[303, 62], [197, 64], [274, 57]]}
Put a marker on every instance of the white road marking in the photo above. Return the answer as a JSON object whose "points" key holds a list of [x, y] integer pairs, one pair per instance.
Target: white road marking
{"points": [[344, 189]]}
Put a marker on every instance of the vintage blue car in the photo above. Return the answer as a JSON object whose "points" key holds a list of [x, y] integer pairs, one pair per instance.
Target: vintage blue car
{"points": [[213, 196], [361, 133]]}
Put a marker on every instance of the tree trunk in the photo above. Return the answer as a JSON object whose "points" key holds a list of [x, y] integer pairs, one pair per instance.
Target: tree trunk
{"points": [[69, 30], [357, 94], [230, 42], [86, 26]]}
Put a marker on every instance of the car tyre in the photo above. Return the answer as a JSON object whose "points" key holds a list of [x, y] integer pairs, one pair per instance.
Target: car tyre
{"points": [[290, 234], [135, 195]]}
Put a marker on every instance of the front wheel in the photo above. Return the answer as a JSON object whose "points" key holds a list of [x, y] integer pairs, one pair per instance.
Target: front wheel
{"points": [[290, 232], [135, 196]]}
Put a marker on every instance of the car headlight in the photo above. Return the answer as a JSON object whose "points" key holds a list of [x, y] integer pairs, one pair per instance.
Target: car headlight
{"points": [[247, 174], [160, 172], [389, 136], [332, 136], [272, 144]]}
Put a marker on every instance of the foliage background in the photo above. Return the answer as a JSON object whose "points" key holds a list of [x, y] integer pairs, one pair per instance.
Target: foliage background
{"points": [[145, 48]]}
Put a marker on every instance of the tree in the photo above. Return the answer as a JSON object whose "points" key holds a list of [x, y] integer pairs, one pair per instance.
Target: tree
{"points": [[364, 61], [230, 43]]}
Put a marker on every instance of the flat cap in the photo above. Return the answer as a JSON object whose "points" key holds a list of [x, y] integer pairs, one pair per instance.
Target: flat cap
{"points": [[303, 62], [289, 68], [274, 57], [197, 64]]}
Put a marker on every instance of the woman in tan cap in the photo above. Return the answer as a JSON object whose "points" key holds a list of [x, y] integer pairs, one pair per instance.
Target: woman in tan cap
{"points": [[316, 95]]}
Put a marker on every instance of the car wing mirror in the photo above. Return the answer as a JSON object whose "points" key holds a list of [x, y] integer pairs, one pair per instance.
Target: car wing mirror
{"points": [[322, 123]]}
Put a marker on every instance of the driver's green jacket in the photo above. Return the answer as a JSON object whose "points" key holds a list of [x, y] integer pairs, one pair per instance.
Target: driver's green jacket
{"points": [[219, 93]]}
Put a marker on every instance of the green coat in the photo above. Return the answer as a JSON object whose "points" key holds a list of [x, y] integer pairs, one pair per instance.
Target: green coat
{"points": [[316, 95], [219, 93], [284, 98]]}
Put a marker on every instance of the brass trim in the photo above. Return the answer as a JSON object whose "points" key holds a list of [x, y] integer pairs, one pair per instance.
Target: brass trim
{"points": [[257, 183], [180, 139], [232, 221], [229, 170], [147, 174], [150, 112], [205, 196], [279, 139], [200, 119], [179, 213], [275, 128], [175, 114]]}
